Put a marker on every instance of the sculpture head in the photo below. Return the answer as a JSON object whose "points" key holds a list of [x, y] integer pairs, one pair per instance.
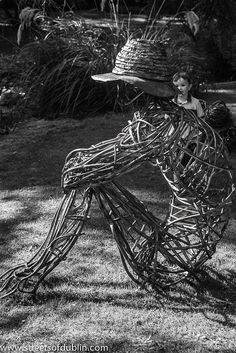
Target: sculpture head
{"points": [[143, 63], [183, 82]]}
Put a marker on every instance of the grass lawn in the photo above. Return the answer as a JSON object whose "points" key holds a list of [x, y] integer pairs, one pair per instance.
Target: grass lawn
{"points": [[88, 301]]}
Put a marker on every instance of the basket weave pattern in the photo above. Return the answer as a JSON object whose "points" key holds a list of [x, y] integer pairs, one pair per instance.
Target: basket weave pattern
{"points": [[144, 59], [194, 162]]}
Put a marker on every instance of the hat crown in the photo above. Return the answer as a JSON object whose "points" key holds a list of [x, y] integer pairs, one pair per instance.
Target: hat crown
{"points": [[143, 58]]}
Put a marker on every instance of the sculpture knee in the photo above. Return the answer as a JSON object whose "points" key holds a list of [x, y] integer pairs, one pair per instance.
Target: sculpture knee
{"points": [[74, 169]]}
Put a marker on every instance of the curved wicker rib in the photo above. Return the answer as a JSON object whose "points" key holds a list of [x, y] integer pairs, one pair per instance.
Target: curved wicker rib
{"points": [[195, 164], [67, 225]]}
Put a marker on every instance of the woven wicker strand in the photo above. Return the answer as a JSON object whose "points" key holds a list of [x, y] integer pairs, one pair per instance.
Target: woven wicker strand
{"points": [[193, 160], [143, 58]]}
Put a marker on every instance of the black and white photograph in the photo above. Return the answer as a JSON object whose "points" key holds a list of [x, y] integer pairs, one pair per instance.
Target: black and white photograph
{"points": [[118, 176]]}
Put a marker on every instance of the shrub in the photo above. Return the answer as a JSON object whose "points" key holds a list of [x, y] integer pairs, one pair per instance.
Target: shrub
{"points": [[58, 67]]}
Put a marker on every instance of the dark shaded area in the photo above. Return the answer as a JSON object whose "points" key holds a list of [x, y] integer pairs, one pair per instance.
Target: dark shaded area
{"points": [[36, 159], [161, 344], [9, 322], [8, 39]]}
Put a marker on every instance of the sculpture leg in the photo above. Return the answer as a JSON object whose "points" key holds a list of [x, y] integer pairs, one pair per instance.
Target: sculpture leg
{"points": [[65, 229], [83, 167], [149, 252]]}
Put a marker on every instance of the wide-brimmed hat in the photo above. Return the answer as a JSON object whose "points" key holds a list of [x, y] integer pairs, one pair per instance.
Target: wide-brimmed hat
{"points": [[143, 63]]}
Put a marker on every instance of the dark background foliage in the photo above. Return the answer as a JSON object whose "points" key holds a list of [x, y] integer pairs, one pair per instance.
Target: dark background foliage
{"points": [[63, 43]]}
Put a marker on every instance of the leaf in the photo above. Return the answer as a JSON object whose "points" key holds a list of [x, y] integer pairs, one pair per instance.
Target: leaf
{"points": [[193, 21]]}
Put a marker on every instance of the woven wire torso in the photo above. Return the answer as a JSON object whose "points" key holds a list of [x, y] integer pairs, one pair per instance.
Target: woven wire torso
{"points": [[194, 161]]}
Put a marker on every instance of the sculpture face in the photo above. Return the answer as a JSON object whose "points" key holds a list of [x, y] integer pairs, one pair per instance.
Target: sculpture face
{"points": [[184, 87]]}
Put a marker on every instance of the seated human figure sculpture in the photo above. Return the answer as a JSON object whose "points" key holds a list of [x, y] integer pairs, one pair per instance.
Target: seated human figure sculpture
{"points": [[154, 252]]}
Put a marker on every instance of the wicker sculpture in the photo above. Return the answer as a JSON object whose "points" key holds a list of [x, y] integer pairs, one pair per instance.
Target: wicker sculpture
{"points": [[219, 117], [194, 162]]}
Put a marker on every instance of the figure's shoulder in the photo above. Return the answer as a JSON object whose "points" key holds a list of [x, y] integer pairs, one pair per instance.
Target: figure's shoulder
{"points": [[195, 100], [199, 102]]}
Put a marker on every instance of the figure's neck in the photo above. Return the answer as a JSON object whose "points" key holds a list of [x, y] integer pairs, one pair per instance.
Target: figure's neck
{"points": [[184, 99]]}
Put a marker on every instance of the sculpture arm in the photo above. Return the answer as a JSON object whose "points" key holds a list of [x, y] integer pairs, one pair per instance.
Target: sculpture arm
{"points": [[138, 141]]}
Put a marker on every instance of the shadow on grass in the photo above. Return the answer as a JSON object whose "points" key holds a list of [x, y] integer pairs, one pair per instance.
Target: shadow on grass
{"points": [[161, 344], [213, 295], [13, 321]]}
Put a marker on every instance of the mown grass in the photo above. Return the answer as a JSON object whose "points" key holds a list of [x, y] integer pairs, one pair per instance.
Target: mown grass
{"points": [[89, 299]]}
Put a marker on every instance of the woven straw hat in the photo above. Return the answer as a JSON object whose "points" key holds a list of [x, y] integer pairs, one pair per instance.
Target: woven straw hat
{"points": [[143, 63]]}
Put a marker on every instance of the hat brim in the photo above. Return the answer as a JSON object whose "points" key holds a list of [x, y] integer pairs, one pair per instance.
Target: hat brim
{"points": [[155, 88]]}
